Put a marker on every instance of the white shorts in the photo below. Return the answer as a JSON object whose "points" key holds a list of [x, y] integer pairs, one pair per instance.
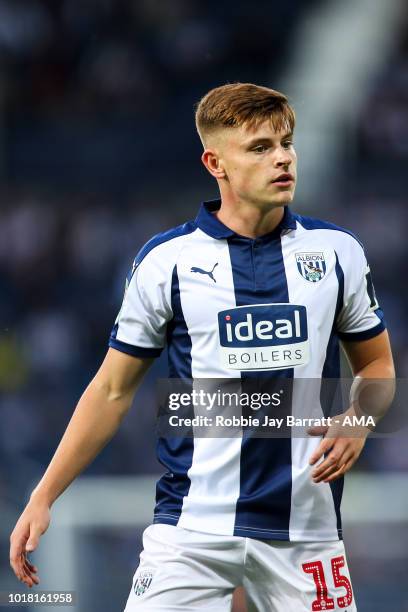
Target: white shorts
{"points": [[182, 570]]}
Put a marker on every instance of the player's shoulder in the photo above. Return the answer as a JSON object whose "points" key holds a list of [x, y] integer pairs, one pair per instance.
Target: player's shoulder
{"points": [[336, 232], [163, 244]]}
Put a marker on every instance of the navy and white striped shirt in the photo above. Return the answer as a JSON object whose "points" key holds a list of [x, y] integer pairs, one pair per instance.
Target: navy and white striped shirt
{"points": [[308, 276]]}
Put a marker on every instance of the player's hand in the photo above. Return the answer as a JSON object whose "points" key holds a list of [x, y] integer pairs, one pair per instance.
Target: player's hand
{"points": [[29, 528], [342, 451]]}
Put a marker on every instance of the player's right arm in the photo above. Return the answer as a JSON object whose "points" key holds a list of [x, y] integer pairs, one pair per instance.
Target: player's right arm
{"points": [[94, 422], [138, 336]]}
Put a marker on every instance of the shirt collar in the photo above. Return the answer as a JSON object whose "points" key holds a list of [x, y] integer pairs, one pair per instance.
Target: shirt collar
{"points": [[209, 223]]}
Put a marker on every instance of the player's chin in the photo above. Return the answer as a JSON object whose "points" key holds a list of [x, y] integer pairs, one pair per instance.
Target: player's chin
{"points": [[283, 197]]}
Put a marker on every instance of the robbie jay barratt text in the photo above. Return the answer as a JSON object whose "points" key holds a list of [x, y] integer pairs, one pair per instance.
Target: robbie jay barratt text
{"points": [[249, 421]]}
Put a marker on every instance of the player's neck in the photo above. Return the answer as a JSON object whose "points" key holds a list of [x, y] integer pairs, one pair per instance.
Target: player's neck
{"points": [[249, 220]]}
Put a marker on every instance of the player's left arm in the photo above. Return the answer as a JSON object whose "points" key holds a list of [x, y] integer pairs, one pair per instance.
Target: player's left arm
{"points": [[369, 359]]}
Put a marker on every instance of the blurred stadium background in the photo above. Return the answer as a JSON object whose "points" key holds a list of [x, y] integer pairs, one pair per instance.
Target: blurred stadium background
{"points": [[98, 152]]}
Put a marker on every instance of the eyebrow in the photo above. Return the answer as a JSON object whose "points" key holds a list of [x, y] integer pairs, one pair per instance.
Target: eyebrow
{"points": [[264, 139]]}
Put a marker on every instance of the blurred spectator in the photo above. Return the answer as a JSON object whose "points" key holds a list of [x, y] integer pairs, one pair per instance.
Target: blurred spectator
{"points": [[98, 153], [98, 115]]}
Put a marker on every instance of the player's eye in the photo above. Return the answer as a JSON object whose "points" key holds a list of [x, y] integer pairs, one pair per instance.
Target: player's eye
{"points": [[260, 149], [287, 144]]}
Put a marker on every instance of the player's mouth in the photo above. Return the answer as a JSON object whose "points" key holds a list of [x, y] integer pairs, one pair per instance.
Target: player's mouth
{"points": [[284, 180]]}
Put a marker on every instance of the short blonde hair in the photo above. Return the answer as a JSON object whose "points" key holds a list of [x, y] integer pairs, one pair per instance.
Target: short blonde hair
{"points": [[238, 104]]}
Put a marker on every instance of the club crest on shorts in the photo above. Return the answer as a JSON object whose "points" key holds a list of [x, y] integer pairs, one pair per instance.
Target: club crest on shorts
{"points": [[143, 581], [312, 266]]}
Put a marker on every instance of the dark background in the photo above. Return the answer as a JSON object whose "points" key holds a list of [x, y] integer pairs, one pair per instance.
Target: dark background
{"points": [[98, 152]]}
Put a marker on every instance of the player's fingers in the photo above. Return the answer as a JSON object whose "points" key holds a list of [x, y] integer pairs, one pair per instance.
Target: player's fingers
{"points": [[331, 470], [344, 468], [28, 569], [35, 534], [21, 540], [31, 580], [337, 474], [15, 565], [325, 445], [31, 571], [332, 463], [20, 569], [31, 575], [32, 567], [17, 542], [27, 577]]}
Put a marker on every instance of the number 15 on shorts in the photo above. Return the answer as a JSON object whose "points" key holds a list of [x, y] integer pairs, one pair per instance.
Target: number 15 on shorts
{"points": [[323, 601]]}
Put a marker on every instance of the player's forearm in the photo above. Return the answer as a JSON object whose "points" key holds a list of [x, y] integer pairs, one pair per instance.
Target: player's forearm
{"points": [[373, 389], [95, 420]]}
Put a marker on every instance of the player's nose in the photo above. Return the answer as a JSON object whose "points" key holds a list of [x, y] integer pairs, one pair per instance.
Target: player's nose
{"points": [[283, 159]]}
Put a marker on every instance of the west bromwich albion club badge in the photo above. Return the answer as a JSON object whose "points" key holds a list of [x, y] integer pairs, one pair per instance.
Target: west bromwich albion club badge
{"points": [[143, 581], [312, 266]]}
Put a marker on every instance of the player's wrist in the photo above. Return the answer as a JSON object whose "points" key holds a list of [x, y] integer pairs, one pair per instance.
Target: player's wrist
{"points": [[42, 497], [358, 424]]}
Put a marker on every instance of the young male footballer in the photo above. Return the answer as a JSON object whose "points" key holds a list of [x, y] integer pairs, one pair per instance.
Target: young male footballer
{"points": [[249, 289]]}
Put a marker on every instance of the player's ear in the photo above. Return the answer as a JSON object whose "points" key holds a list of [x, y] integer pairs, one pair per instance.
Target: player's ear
{"points": [[213, 163]]}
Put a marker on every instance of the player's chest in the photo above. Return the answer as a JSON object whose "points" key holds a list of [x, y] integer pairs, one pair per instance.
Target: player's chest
{"points": [[259, 307], [225, 276]]}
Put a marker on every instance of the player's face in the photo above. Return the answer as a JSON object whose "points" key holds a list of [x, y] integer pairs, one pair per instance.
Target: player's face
{"points": [[259, 164]]}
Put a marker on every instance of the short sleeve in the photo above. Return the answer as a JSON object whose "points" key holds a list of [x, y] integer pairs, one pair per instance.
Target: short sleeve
{"points": [[140, 327], [361, 317]]}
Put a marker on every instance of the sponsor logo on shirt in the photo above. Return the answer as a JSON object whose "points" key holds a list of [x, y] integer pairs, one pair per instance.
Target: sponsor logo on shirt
{"points": [[263, 337], [312, 266]]}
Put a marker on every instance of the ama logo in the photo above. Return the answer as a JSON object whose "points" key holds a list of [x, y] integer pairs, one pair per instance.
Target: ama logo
{"points": [[263, 337]]}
